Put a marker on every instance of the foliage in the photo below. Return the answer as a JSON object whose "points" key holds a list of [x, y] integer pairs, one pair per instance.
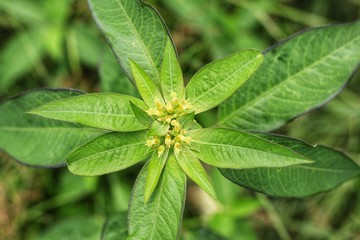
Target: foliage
{"points": [[106, 132]]}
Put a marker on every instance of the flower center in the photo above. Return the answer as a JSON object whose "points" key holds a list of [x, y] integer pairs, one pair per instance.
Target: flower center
{"points": [[169, 114]]}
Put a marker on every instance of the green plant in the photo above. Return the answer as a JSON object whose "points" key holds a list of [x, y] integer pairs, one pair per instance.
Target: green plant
{"points": [[105, 132]]}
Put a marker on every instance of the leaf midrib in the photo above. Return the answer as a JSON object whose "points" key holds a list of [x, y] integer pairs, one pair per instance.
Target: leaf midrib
{"points": [[106, 151], [226, 79], [143, 46], [244, 148], [195, 171], [324, 169], [48, 129], [156, 209], [85, 112], [289, 78]]}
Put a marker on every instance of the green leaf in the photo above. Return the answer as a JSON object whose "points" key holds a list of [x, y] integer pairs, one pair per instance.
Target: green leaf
{"points": [[297, 75], [171, 74], [109, 111], [29, 138], [186, 120], [161, 217], [193, 168], [81, 228], [217, 81], [330, 168], [134, 31], [115, 227], [111, 152], [156, 165], [158, 129], [142, 116], [148, 90], [226, 148]]}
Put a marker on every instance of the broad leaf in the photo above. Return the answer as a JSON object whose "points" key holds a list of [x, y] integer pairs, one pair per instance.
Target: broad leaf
{"points": [[217, 81], [171, 74], [193, 168], [156, 165], [226, 148], [148, 89], [158, 129], [297, 75], [161, 217], [330, 168], [134, 30], [108, 153], [28, 138], [109, 111], [115, 227]]}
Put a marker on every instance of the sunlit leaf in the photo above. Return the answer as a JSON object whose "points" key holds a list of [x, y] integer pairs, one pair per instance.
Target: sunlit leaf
{"points": [[156, 165], [134, 30], [226, 148], [193, 168], [160, 217], [147, 88], [217, 81], [171, 74], [109, 111], [111, 152], [34, 140], [297, 75], [330, 168]]}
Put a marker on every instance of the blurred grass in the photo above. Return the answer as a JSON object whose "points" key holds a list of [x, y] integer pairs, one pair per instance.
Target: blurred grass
{"points": [[51, 43]]}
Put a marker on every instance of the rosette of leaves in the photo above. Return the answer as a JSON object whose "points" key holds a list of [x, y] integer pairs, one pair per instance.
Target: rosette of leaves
{"points": [[105, 132]]}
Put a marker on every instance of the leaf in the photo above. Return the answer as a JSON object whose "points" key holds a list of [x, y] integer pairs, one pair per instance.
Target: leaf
{"points": [[297, 75], [217, 81], [134, 31], [28, 138], [158, 129], [171, 74], [226, 148], [156, 165], [148, 90], [161, 217], [80, 228], [193, 168], [115, 227], [330, 168], [111, 152], [109, 111], [142, 116], [186, 120]]}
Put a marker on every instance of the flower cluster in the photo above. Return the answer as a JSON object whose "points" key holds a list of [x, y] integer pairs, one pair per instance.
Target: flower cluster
{"points": [[168, 114]]}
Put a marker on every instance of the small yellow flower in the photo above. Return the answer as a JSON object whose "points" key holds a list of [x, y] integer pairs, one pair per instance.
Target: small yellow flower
{"points": [[161, 150], [177, 147]]}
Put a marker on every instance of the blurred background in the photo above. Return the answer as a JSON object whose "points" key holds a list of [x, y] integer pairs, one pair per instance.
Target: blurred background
{"points": [[51, 43]]}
